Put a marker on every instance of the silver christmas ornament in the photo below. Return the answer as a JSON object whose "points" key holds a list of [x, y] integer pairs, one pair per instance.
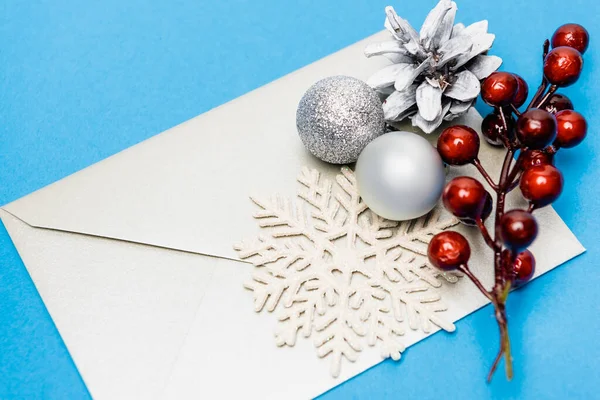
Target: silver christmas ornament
{"points": [[337, 117], [400, 176], [435, 74]]}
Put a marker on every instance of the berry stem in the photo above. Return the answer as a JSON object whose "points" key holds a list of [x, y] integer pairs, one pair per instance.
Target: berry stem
{"points": [[515, 110], [465, 270], [541, 90], [515, 184], [546, 50], [495, 364], [502, 194], [486, 235], [552, 90], [485, 174], [505, 138], [504, 343], [544, 85], [502, 284], [510, 180]]}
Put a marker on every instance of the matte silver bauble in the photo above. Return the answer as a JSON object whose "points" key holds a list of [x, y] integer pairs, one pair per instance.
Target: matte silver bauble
{"points": [[337, 117], [400, 176]]}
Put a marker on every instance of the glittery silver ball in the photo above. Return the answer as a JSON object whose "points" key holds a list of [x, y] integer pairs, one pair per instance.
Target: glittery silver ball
{"points": [[337, 117]]}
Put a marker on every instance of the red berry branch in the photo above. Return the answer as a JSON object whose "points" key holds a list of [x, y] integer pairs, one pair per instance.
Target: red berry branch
{"points": [[536, 134]]}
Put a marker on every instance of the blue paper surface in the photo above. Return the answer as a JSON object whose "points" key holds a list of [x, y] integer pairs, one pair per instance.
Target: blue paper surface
{"points": [[82, 80]]}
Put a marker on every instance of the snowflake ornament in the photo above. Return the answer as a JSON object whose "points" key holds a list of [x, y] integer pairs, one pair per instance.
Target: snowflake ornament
{"points": [[435, 74], [334, 270]]}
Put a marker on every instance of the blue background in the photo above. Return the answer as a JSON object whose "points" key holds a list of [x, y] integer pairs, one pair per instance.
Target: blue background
{"points": [[81, 80]]}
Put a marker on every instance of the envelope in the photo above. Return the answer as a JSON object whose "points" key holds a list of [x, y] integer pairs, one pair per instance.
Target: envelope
{"points": [[134, 258]]}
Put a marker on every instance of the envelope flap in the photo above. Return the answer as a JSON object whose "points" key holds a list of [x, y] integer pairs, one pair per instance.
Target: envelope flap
{"points": [[188, 187]]}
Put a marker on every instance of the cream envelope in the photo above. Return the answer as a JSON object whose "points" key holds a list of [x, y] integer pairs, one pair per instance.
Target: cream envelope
{"points": [[133, 256]]}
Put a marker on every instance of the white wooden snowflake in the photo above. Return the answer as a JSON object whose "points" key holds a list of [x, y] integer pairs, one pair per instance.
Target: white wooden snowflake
{"points": [[334, 270]]}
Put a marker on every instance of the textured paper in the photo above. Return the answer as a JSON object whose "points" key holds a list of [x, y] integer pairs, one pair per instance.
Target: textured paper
{"points": [[146, 321]]}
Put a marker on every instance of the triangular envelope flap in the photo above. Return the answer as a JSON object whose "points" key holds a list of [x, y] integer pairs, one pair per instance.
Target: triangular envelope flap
{"points": [[126, 314], [188, 188]]}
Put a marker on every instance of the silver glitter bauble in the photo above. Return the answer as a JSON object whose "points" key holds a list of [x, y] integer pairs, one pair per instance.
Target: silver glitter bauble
{"points": [[337, 117], [400, 176]]}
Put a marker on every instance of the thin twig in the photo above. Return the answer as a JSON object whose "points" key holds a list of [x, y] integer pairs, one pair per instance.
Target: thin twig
{"points": [[504, 342], [541, 90], [552, 90], [498, 271], [465, 270], [505, 137], [503, 177], [504, 351], [515, 184], [495, 364], [506, 345], [544, 85], [515, 110], [485, 174], [486, 235], [516, 169]]}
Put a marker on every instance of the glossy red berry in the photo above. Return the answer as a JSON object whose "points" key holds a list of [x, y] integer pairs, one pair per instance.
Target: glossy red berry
{"points": [[563, 66], [571, 35], [465, 198], [558, 102], [523, 268], [448, 251], [488, 207], [572, 128], [533, 158], [536, 128], [499, 89], [493, 130], [522, 92], [518, 229], [541, 185], [458, 145]]}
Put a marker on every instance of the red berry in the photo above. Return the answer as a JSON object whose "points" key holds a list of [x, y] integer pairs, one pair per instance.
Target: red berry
{"points": [[499, 89], [558, 102], [536, 128], [522, 92], [488, 206], [465, 198], [458, 145], [523, 268], [563, 66], [493, 130], [541, 185], [532, 158], [448, 251], [571, 35], [518, 229], [572, 128]]}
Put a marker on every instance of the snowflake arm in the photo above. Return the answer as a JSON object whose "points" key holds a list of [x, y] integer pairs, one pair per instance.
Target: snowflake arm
{"points": [[278, 213], [333, 270]]}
